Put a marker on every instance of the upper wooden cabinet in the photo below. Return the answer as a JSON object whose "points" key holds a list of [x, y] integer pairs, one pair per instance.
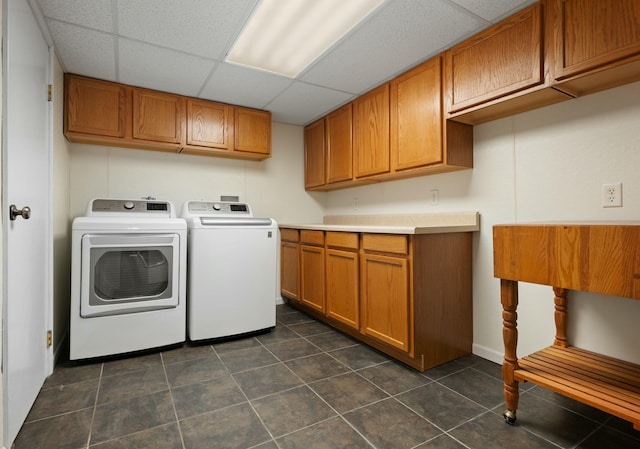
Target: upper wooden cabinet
{"points": [[157, 116], [371, 133], [105, 113], [209, 124], [503, 59], [314, 155], [502, 70], [252, 131], [416, 117], [597, 43], [96, 108], [339, 148]]}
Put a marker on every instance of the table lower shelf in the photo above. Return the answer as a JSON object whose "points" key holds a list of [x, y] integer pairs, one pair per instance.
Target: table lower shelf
{"points": [[602, 382]]}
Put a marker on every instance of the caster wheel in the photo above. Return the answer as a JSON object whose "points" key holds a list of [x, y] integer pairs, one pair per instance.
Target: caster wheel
{"points": [[509, 417]]}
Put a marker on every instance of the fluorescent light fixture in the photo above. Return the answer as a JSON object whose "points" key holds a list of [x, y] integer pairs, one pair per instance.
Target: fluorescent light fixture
{"points": [[285, 36]]}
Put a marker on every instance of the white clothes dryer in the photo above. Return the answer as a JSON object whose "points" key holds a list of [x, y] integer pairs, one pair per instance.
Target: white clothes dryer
{"points": [[128, 278], [232, 273]]}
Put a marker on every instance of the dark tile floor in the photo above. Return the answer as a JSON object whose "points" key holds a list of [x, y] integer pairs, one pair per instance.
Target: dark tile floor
{"points": [[301, 386]]}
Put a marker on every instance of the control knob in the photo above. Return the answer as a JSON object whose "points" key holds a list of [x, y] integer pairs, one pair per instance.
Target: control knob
{"points": [[129, 205]]}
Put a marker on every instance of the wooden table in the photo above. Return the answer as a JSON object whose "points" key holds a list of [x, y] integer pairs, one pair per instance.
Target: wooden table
{"points": [[590, 257]]}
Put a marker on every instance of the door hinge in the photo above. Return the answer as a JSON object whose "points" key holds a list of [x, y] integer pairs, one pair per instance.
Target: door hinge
{"points": [[49, 338], [50, 92]]}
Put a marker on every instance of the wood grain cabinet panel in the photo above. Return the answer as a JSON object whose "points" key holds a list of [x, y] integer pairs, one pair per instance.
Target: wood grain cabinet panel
{"points": [[339, 150], [416, 117], [312, 277], [386, 304], [95, 107], [157, 116], [209, 124], [342, 289], [501, 60], [290, 263], [371, 133], [597, 43], [314, 155], [252, 131]]}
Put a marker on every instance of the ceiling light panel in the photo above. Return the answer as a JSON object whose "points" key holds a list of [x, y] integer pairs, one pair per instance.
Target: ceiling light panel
{"points": [[285, 36]]}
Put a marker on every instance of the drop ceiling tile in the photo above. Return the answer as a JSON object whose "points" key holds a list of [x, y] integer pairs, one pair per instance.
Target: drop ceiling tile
{"points": [[162, 69], [493, 11], [402, 34], [94, 14], [83, 51], [301, 103], [242, 86], [200, 27]]}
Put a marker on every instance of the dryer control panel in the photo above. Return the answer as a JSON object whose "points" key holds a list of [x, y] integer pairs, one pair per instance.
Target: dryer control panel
{"points": [[120, 207]]}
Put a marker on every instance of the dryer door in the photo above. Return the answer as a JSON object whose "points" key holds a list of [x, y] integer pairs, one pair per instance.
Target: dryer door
{"points": [[129, 273]]}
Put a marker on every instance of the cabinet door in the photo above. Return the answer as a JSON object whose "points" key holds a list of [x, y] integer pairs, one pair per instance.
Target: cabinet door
{"points": [[314, 155], [416, 117], [312, 276], [252, 131], [209, 124], [371, 133], [289, 254], [157, 116], [499, 61], [592, 33], [342, 287], [339, 145], [386, 310], [94, 107]]}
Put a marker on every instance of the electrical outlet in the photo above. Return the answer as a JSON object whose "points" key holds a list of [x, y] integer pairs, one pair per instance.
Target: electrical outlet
{"points": [[612, 195]]}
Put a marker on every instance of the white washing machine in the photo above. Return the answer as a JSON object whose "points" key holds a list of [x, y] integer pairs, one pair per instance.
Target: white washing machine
{"points": [[128, 278], [232, 270]]}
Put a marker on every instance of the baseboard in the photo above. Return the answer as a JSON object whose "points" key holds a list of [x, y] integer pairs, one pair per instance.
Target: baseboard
{"points": [[279, 300], [487, 353]]}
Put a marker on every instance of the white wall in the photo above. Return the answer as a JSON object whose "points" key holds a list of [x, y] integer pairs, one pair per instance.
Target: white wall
{"points": [[273, 187], [548, 164]]}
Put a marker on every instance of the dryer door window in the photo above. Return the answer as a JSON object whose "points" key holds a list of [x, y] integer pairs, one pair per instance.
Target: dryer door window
{"points": [[129, 273], [123, 275]]}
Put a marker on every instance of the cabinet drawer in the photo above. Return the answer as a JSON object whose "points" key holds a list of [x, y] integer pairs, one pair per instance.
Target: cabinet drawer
{"points": [[289, 235], [312, 237], [385, 243], [347, 240]]}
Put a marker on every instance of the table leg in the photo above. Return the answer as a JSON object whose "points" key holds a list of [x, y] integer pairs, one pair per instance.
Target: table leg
{"points": [[509, 299], [560, 315]]}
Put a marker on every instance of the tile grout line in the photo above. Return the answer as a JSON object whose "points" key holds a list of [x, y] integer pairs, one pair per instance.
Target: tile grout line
{"points": [[173, 402], [95, 406]]}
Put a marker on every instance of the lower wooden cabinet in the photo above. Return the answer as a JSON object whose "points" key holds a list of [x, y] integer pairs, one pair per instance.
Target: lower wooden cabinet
{"points": [[409, 296], [342, 274], [312, 270], [290, 266], [386, 303]]}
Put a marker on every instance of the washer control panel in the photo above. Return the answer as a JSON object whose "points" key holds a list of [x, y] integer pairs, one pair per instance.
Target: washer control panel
{"points": [[218, 208]]}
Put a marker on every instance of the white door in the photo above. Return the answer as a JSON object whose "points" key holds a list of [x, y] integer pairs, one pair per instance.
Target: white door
{"points": [[27, 244]]}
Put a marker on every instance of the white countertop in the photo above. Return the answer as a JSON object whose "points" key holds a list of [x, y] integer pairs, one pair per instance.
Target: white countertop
{"points": [[396, 224]]}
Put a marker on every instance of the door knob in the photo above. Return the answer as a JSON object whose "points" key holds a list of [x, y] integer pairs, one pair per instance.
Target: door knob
{"points": [[14, 212]]}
